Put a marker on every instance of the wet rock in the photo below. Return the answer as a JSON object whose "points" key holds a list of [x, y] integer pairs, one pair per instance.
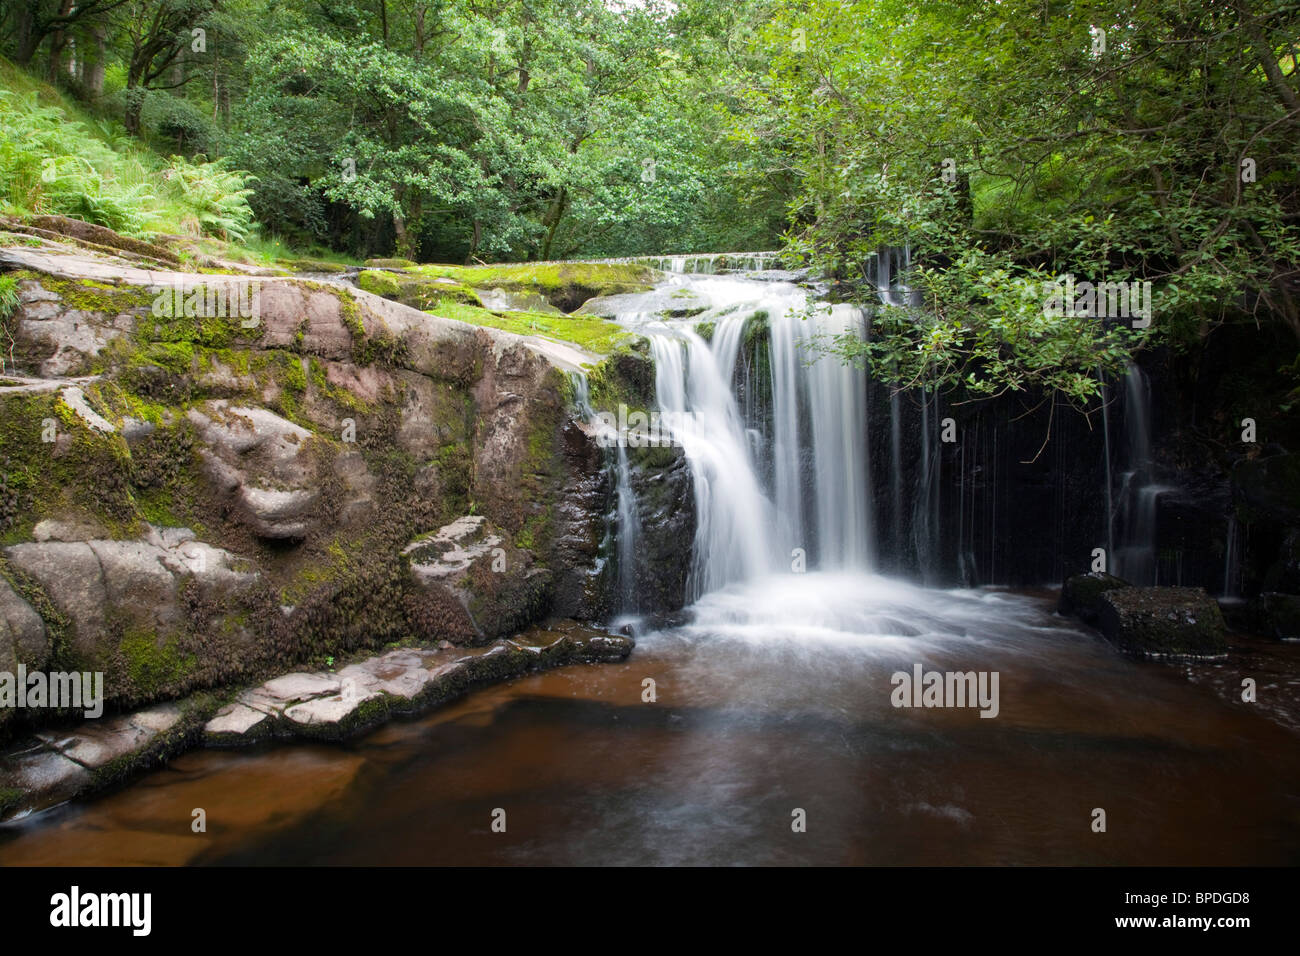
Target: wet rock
{"points": [[1162, 621], [661, 480], [1081, 594], [52, 767], [1268, 488], [405, 680], [470, 563], [23, 637], [1278, 615]]}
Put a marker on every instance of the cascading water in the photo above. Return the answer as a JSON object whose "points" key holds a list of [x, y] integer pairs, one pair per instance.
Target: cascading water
{"points": [[769, 494], [626, 528], [1135, 555]]}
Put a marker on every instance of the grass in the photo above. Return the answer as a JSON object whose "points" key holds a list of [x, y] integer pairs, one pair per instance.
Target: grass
{"points": [[592, 333]]}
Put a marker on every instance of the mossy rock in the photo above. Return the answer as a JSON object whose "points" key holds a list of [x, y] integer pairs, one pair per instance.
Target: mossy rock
{"points": [[379, 282], [1081, 594], [390, 264], [1163, 622]]}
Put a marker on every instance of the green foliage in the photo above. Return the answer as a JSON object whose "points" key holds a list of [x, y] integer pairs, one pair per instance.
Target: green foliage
{"points": [[1061, 158], [55, 159]]}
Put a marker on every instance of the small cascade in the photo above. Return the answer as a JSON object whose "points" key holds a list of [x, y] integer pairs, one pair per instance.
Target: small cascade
{"points": [[1139, 494], [625, 530], [711, 263], [887, 271], [1232, 561]]}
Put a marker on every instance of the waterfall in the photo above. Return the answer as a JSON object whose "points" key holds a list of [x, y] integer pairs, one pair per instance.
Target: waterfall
{"points": [[1135, 555], [784, 492], [626, 528]]}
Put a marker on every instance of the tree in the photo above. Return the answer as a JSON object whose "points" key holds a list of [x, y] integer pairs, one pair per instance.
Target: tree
{"points": [[156, 36]]}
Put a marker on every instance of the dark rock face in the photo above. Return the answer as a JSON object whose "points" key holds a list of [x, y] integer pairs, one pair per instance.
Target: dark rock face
{"points": [[1163, 621], [661, 481], [582, 519], [1278, 615], [1081, 595], [1269, 485]]}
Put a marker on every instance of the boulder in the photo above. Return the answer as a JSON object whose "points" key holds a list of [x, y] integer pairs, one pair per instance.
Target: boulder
{"points": [[1161, 621], [1081, 594]]}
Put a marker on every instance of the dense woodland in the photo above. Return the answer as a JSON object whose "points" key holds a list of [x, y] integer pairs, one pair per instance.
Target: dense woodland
{"points": [[1006, 142]]}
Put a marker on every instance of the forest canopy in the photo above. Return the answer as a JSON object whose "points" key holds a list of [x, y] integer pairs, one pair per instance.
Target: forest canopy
{"points": [[1011, 144]]}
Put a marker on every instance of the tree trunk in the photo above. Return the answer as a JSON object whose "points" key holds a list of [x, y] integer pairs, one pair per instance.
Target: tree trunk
{"points": [[556, 213], [26, 37]]}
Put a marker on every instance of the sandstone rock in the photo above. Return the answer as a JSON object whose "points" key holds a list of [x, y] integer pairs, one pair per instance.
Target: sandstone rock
{"points": [[1161, 621], [258, 456], [23, 637], [137, 583], [470, 563], [75, 399], [71, 529]]}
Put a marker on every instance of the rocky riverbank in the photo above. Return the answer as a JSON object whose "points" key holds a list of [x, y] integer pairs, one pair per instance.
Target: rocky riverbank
{"points": [[56, 765], [202, 491]]}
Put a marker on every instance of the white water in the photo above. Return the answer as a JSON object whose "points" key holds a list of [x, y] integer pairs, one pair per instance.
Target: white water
{"points": [[769, 496]]}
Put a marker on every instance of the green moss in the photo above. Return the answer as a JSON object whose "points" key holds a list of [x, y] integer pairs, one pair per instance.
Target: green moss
{"points": [[625, 378], [90, 296], [88, 474], [566, 281], [589, 332], [152, 666], [10, 799], [379, 282]]}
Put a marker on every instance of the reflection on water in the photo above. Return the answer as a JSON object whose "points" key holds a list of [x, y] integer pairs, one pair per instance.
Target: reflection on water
{"points": [[776, 697]]}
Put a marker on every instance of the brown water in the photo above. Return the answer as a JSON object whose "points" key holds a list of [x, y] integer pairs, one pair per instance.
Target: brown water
{"points": [[760, 712]]}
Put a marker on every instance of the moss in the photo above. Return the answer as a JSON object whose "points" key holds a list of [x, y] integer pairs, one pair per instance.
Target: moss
{"points": [[565, 284], [57, 624], [10, 799], [90, 296], [589, 332], [390, 264], [82, 471], [625, 378], [379, 282], [152, 666]]}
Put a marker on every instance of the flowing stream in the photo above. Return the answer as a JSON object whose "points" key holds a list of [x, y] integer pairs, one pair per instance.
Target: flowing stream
{"points": [[775, 694]]}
